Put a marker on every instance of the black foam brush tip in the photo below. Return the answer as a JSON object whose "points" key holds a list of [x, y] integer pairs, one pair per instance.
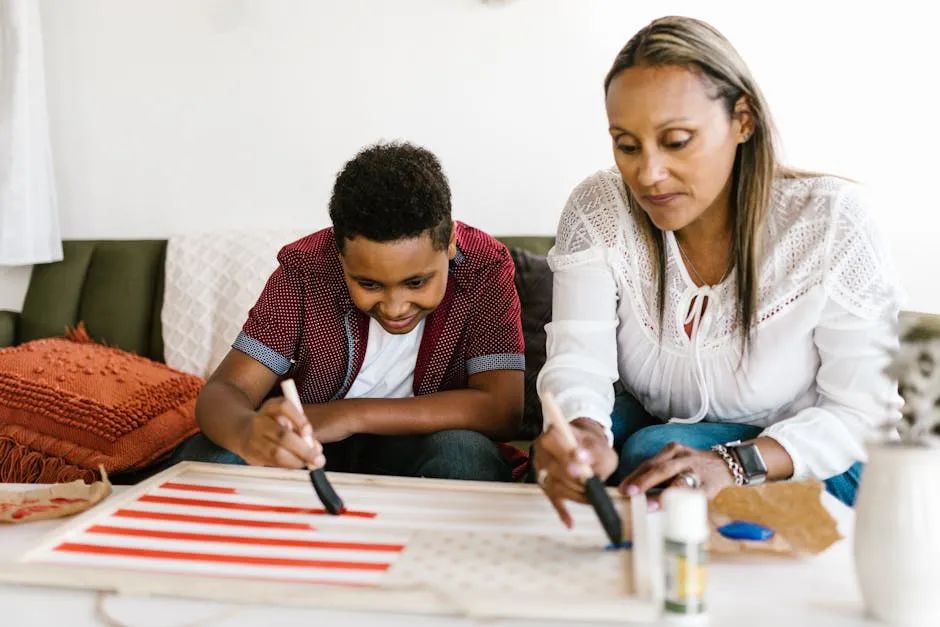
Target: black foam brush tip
{"points": [[326, 493], [604, 507]]}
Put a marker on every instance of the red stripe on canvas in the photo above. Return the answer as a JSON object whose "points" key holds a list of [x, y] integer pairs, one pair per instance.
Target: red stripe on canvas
{"points": [[251, 507], [245, 560], [196, 487], [211, 520], [211, 537]]}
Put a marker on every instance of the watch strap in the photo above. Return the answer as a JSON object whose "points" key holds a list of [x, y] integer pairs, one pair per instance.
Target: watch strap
{"points": [[749, 458]]}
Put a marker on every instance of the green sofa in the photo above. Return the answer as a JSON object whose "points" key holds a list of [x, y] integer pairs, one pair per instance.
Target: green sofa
{"points": [[115, 287]]}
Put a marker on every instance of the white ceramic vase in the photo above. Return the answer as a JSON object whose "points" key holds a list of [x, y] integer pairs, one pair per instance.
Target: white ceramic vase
{"points": [[897, 534]]}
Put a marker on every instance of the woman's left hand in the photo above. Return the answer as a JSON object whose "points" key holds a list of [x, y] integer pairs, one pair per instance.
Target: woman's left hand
{"points": [[674, 459]]}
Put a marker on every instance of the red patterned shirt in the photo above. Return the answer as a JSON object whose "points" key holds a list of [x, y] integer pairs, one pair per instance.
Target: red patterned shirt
{"points": [[305, 321]]}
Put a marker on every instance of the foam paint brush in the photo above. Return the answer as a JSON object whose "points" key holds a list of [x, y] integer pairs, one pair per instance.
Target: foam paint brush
{"points": [[321, 485], [593, 486]]}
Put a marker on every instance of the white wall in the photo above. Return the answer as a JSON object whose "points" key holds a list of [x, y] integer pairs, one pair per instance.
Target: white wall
{"points": [[184, 115]]}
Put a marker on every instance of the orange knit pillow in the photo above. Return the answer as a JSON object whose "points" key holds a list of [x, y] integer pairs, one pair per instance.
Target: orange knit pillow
{"points": [[66, 407]]}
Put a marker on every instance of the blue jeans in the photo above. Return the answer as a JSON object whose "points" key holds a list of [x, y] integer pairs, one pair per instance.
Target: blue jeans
{"points": [[638, 436], [449, 454]]}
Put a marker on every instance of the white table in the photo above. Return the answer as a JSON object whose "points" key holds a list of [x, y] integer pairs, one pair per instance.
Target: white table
{"points": [[742, 591]]}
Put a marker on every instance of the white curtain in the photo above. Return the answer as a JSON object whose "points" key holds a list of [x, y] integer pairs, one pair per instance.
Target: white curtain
{"points": [[29, 219]]}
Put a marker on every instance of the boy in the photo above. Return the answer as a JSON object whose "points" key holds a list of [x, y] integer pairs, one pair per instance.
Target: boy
{"points": [[400, 327]]}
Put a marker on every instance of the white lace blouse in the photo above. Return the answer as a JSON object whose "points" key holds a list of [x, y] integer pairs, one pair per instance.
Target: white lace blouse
{"points": [[824, 328]]}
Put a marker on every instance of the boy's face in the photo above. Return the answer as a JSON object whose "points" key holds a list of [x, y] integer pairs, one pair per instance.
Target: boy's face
{"points": [[399, 282]]}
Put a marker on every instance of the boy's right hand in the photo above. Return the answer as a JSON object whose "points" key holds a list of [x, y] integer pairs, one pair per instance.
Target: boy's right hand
{"points": [[279, 435], [557, 466]]}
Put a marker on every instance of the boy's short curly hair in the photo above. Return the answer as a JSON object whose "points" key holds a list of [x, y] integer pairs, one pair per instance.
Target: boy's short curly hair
{"points": [[392, 191]]}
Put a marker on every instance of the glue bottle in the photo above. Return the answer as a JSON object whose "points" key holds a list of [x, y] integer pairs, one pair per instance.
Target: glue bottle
{"points": [[685, 558]]}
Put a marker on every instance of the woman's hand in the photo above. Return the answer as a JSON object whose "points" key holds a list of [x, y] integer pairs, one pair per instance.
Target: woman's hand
{"points": [[279, 435], [663, 468], [557, 467]]}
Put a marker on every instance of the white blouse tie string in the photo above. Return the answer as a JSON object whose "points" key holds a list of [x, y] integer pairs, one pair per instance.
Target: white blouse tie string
{"points": [[702, 296]]}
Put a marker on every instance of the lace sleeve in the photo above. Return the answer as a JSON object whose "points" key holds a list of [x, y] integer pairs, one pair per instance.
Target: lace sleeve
{"points": [[858, 271], [590, 224]]}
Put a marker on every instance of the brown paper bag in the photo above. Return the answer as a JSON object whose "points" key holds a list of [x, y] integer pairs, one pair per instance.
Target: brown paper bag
{"points": [[60, 499], [793, 509]]}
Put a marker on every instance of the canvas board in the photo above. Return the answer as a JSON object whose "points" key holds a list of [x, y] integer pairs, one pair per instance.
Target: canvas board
{"points": [[252, 534]]}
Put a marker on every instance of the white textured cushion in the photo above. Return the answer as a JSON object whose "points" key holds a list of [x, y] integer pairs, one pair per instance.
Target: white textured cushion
{"points": [[212, 280]]}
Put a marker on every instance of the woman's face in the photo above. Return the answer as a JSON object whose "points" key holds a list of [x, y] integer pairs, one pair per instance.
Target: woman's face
{"points": [[673, 144]]}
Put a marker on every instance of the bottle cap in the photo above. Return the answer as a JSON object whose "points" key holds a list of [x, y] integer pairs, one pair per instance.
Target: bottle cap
{"points": [[686, 515]]}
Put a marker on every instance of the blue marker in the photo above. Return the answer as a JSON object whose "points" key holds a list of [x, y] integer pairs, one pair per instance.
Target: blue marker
{"points": [[743, 530]]}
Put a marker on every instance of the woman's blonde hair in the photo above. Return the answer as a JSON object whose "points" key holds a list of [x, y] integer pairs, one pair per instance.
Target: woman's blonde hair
{"points": [[691, 43]]}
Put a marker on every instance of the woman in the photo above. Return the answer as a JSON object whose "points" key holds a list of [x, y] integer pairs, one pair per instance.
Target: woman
{"points": [[732, 298]]}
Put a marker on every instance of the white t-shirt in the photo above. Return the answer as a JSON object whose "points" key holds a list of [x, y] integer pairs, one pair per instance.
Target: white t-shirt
{"points": [[824, 327], [388, 368]]}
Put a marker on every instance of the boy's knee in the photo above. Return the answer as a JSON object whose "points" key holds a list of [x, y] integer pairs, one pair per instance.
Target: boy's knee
{"points": [[199, 448], [461, 454]]}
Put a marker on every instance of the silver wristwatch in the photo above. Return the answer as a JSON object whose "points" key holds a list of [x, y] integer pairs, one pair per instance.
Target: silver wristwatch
{"points": [[751, 462]]}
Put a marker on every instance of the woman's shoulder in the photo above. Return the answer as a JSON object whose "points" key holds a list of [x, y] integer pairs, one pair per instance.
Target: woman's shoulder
{"points": [[811, 208], [822, 229], [817, 196], [596, 215], [599, 193]]}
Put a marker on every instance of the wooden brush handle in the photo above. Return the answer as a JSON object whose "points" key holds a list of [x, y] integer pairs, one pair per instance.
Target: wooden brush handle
{"points": [[557, 421]]}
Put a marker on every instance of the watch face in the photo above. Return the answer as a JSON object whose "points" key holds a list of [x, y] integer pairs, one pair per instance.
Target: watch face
{"points": [[750, 459]]}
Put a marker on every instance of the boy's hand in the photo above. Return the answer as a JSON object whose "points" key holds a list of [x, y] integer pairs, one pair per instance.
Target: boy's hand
{"points": [[556, 466], [275, 436], [331, 423]]}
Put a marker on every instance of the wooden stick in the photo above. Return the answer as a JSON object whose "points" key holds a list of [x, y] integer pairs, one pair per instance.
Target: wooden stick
{"points": [[557, 421]]}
